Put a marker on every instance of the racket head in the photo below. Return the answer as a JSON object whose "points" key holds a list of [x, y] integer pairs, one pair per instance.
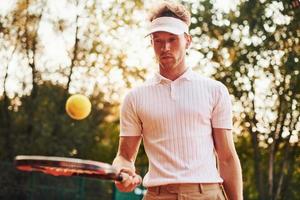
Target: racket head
{"points": [[63, 166]]}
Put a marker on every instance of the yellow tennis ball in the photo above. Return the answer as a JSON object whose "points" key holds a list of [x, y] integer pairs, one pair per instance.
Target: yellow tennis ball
{"points": [[78, 106]]}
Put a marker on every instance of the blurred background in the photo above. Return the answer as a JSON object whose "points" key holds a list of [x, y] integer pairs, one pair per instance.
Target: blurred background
{"points": [[52, 49]]}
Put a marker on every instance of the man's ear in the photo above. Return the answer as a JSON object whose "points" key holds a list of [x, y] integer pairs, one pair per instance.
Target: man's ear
{"points": [[188, 40], [151, 39]]}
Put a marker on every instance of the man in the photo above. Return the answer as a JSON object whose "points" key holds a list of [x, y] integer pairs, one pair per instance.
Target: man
{"points": [[184, 120]]}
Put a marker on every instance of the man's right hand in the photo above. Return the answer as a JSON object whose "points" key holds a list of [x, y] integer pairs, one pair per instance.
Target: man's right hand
{"points": [[130, 180]]}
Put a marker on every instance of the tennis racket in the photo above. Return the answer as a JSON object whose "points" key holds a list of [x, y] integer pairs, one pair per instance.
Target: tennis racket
{"points": [[62, 166]]}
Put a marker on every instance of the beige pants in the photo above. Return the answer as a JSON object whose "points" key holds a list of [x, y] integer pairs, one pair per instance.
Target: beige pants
{"points": [[212, 191]]}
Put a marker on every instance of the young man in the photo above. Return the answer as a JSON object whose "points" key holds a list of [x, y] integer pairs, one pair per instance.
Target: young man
{"points": [[184, 120]]}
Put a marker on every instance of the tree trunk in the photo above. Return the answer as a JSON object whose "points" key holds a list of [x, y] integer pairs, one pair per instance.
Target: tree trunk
{"points": [[6, 121], [282, 190], [6, 125], [75, 50], [286, 170], [32, 65], [257, 160], [287, 161], [257, 167], [273, 149]]}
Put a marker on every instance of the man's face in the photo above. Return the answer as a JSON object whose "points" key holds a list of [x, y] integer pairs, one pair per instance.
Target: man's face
{"points": [[169, 48]]}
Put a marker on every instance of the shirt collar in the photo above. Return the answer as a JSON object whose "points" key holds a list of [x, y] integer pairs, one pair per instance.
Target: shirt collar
{"points": [[157, 78]]}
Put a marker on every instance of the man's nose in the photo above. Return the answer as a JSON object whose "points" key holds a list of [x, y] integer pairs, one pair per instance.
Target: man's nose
{"points": [[166, 46]]}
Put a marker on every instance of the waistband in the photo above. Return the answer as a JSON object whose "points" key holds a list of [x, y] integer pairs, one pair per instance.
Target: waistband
{"points": [[185, 187]]}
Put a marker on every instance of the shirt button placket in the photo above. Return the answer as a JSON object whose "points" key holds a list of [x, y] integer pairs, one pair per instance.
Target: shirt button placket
{"points": [[173, 91]]}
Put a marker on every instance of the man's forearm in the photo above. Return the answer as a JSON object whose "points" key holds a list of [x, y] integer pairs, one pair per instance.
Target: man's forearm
{"points": [[232, 175], [127, 152]]}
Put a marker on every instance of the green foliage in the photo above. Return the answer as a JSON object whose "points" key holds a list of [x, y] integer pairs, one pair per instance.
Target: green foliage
{"points": [[32, 113], [256, 55], [48, 130], [254, 50]]}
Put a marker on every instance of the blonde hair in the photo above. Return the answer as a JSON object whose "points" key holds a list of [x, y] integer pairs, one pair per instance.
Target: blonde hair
{"points": [[170, 9]]}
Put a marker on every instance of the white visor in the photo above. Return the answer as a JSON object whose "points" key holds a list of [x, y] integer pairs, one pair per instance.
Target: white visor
{"points": [[168, 24]]}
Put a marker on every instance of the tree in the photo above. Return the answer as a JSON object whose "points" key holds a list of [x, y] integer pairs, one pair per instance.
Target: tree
{"points": [[255, 51], [86, 35], [33, 120]]}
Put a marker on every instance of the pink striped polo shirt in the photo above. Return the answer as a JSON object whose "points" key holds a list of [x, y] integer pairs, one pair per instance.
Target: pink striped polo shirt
{"points": [[175, 119]]}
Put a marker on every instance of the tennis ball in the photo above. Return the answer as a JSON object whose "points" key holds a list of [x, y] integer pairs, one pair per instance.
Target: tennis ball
{"points": [[78, 106]]}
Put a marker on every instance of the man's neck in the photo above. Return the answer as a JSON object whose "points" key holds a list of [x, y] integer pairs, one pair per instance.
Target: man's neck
{"points": [[172, 73]]}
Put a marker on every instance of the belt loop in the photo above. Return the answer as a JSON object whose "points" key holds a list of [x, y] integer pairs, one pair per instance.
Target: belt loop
{"points": [[158, 190], [223, 191], [200, 188]]}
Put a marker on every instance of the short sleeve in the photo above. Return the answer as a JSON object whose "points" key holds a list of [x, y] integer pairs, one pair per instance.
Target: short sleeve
{"points": [[130, 124], [222, 111]]}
